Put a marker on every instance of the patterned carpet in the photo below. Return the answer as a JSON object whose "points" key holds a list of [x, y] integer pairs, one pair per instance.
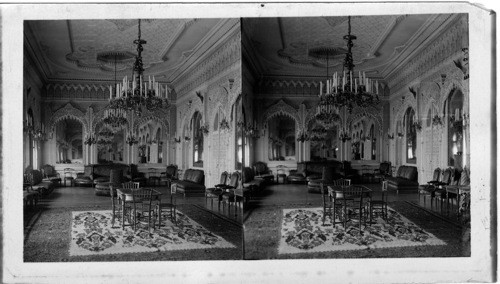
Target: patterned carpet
{"points": [[92, 233], [263, 236], [302, 230], [48, 236]]}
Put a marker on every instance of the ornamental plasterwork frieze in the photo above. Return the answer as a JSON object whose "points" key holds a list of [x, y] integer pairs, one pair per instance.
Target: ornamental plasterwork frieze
{"points": [[68, 111], [288, 87], [77, 91], [444, 47], [222, 59]]}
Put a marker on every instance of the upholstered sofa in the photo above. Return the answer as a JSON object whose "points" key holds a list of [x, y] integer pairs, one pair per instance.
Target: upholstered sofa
{"points": [[192, 183], [313, 170], [406, 179], [35, 179], [100, 173]]}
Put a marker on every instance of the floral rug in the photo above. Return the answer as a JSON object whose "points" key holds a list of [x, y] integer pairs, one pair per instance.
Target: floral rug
{"points": [[93, 234], [302, 230]]}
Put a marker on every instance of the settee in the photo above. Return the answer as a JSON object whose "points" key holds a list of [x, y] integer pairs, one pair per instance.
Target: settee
{"points": [[192, 183], [313, 170], [406, 179], [100, 173]]}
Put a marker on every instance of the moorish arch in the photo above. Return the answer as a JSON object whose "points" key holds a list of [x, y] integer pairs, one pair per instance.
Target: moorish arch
{"points": [[282, 108], [68, 112], [371, 115], [165, 125]]}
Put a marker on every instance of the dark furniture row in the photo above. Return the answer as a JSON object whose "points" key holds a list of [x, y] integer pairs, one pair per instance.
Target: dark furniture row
{"points": [[448, 184], [313, 170]]}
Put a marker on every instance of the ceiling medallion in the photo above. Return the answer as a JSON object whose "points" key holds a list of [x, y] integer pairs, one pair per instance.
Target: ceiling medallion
{"points": [[344, 91], [138, 95]]}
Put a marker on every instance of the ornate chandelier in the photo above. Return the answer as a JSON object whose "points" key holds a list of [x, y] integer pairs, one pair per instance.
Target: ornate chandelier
{"points": [[138, 94], [344, 91], [115, 117]]}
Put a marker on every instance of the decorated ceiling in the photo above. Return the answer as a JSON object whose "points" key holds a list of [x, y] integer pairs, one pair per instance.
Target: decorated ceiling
{"points": [[297, 46], [94, 49]]}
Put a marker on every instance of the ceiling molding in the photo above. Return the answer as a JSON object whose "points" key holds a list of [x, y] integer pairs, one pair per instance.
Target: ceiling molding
{"points": [[32, 48], [225, 28], [388, 30], [175, 38], [427, 32]]}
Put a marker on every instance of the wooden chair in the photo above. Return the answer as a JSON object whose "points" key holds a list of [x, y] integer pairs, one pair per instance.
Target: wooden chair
{"points": [[332, 194], [379, 205], [428, 190], [280, 174], [68, 175], [215, 193], [170, 207], [142, 201], [127, 204], [353, 204], [228, 197], [115, 207], [439, 191]]}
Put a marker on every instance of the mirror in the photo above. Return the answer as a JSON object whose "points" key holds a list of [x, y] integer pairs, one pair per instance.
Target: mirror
{"points": [[324, 142], [150, 148], [110, 144], [69, 143], [281, 138], [197, 140]]}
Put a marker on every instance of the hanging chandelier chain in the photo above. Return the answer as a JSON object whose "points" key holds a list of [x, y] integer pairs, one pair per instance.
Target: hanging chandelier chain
{"points": [[345, 91], [139, 93]]}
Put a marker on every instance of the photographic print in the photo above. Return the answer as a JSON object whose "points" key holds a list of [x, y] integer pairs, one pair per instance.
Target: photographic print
{"points": [[248, 142]]}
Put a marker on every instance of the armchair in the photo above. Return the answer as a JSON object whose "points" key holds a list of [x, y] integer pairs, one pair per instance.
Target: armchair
{"points": [[169, 175], [50, 174], [328, 176], [229, 197], [460, 192], [217, 191], [428, 190], [383, 171], [263, 172]]}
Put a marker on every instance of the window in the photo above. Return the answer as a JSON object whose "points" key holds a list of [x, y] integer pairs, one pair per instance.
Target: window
{"points": [[373, 142], [455, 135], [159, 143], [197, 140], [411, 136]]}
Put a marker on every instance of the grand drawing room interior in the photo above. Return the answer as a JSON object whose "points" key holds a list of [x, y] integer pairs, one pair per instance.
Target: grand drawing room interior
{"points": [[251, 138]]}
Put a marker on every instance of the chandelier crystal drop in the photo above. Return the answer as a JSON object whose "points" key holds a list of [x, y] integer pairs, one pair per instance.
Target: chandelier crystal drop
{"points": [[344, 90], [138, 94]]}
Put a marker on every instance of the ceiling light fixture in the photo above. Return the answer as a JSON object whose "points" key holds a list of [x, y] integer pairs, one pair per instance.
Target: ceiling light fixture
{"points": [[344, 91], [137, 95]]}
